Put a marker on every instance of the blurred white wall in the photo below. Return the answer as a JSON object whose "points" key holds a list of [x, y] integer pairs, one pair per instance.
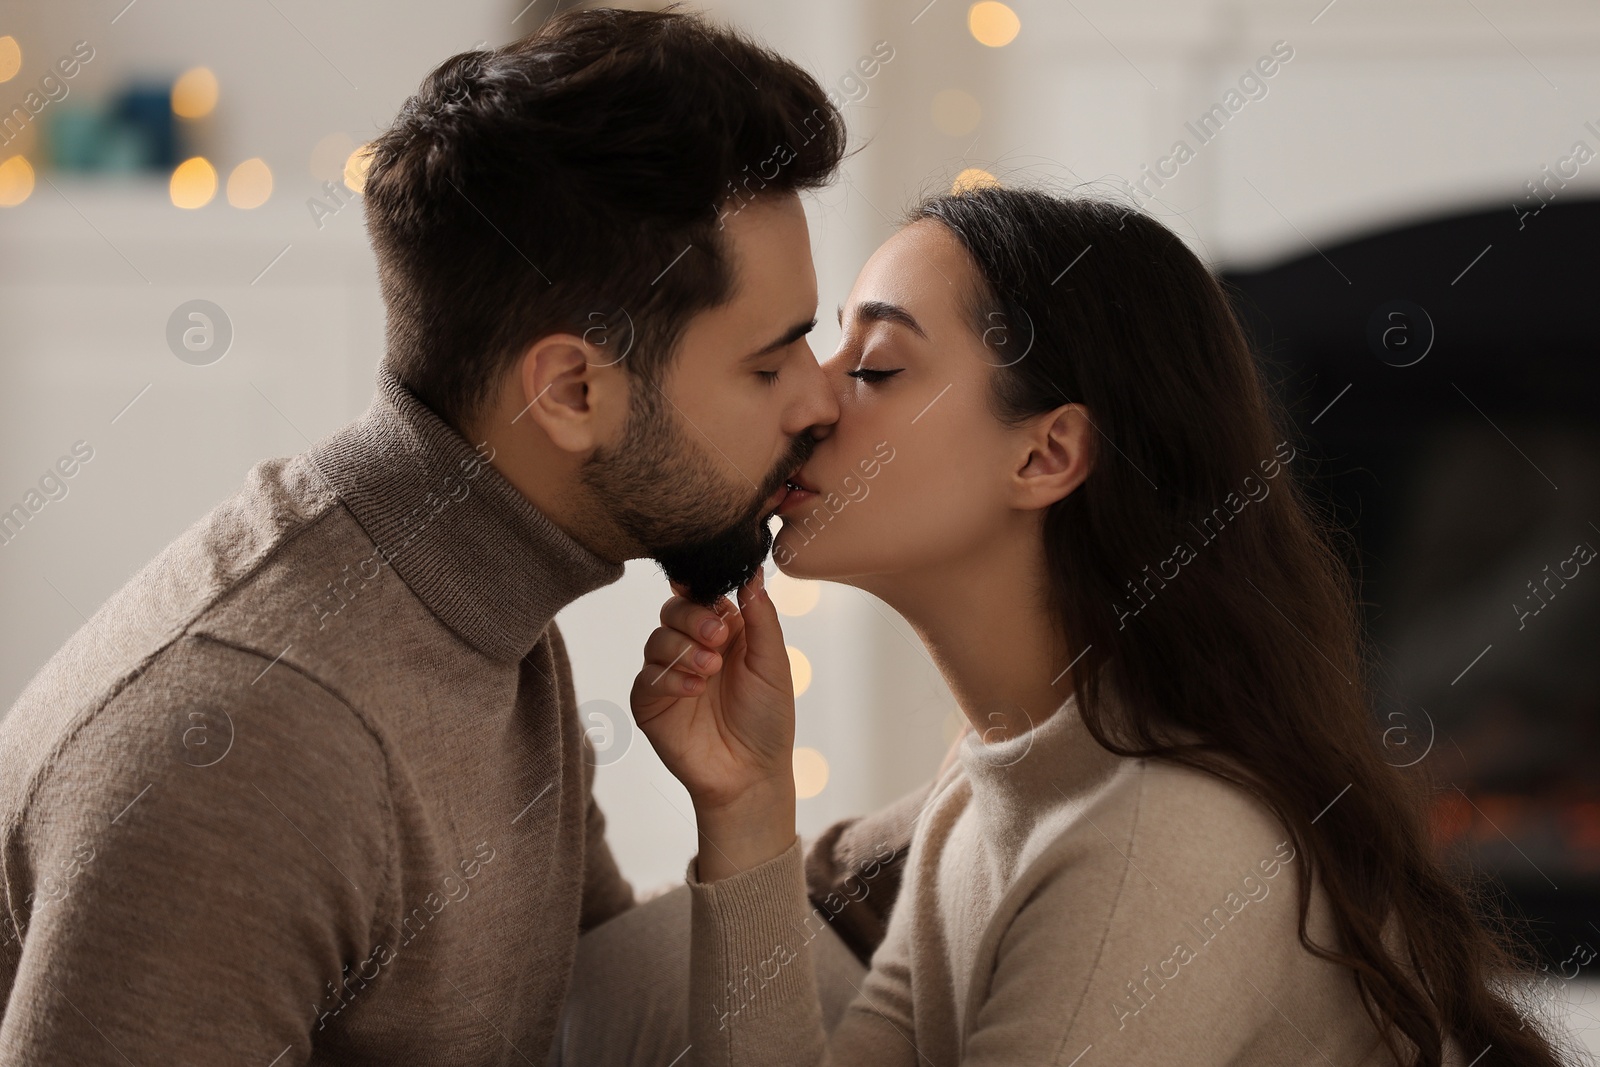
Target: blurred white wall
{"points": [[1383, 112]]}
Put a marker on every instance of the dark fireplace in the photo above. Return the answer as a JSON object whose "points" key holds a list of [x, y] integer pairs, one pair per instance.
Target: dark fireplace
{"points": [[1444, 374]]}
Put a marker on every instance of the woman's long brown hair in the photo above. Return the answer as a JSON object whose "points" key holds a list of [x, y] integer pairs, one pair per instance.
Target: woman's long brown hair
{"points": [[1252, 638]]}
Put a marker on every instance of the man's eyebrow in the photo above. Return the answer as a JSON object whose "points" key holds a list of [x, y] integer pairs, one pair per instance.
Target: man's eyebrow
{"points": [[790, 336], [883, 311]]}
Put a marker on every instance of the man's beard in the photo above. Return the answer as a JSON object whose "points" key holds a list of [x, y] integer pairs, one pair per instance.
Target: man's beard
{"points": [[662, 490]]}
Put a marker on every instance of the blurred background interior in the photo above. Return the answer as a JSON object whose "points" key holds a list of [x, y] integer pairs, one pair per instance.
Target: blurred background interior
{"points": [[1402, 196]]}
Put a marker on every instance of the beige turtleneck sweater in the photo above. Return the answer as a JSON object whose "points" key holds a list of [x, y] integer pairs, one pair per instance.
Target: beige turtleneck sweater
{"points": [[1060, 905], [311, 788]]}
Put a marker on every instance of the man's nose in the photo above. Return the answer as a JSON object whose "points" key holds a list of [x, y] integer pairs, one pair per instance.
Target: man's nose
{"points": [[821, 409]]}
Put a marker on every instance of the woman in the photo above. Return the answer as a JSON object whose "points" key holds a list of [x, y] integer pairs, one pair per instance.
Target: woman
{"points": [[1171, 836]]}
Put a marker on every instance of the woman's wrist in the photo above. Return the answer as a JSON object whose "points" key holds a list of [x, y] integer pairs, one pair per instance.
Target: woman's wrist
{"points": [[744, 832]]}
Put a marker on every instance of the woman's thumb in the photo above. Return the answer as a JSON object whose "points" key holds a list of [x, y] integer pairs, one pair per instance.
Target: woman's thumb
{"points": [[763, 633]]}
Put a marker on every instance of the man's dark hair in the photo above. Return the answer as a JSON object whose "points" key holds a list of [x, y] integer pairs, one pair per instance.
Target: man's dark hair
{"points": [[578, 180]]}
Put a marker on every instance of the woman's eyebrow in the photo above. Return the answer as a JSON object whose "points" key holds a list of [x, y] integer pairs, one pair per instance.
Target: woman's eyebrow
{"points": [[883, 311]]}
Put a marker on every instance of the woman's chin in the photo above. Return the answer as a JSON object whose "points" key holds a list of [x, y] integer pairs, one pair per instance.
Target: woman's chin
{"points": [[798, 558]]}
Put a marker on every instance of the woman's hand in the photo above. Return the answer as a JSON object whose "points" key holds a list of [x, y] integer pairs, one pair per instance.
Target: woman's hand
{"points": [[724, 727]]}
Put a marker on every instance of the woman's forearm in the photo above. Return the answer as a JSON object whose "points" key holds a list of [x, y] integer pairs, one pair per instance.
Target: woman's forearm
{"points": [[752, 990], [753, 984], [746, 832]]}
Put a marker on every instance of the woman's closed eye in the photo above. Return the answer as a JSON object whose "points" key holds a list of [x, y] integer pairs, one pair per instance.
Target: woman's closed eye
{"points": [[866, 374]]}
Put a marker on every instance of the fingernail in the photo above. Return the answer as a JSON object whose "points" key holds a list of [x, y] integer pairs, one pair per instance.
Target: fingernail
{"points": [[710, 628], [704, 657]]}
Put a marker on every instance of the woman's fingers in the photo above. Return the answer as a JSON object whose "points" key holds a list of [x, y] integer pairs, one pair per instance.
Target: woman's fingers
{"points": [[659, 685], [763, 632], [657, 689], [710, 627], [668, 647]]}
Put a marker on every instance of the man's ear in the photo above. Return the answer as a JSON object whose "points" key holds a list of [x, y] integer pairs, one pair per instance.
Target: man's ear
{"points": [[573, 392], [1060, 453]]}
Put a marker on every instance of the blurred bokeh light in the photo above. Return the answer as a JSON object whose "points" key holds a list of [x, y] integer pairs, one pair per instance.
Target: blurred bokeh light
{"points": [[250, 184], [194, 183]]}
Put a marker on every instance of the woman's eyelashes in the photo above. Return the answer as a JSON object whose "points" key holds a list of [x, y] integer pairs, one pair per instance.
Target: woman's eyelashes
{"points": [[866, 374]]}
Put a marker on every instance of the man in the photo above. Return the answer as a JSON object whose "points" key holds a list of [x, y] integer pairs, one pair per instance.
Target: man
{"points": [[311, 787]]}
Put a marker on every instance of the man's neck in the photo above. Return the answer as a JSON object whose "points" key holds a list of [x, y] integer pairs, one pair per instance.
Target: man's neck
{"points": [[549, 479]]}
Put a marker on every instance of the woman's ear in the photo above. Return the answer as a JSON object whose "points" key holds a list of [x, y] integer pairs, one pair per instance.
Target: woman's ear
{"points": [[576, 395], [1060, 453]]}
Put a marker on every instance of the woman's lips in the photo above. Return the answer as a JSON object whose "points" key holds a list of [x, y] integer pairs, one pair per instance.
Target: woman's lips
{"points": [[795, 500], [798, 496]]}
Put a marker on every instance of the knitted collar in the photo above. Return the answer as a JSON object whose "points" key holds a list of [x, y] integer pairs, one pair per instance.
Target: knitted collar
{"points": [[486, 562]]}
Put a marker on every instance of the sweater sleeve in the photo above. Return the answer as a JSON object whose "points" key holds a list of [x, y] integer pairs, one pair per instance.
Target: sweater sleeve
{"points": [[853, 870], [606, 893], [752, 986], [193, 869]]}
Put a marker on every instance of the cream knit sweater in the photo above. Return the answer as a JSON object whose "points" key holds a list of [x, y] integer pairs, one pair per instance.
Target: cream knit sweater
{"points": [[1061, 905]]}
